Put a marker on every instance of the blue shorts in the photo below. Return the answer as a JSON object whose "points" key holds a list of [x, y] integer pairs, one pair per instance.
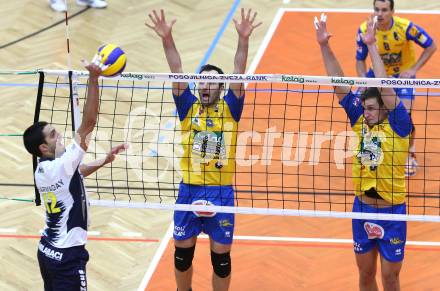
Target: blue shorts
{"points": [[403, 93], [388, 236], [219, 226], [63, 269]]}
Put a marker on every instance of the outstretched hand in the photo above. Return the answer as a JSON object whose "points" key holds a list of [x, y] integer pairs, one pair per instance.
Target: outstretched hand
{"points": [[322, 35], [369, 37], [96, 67], [111, 156], [160, 26], [246, 26]]}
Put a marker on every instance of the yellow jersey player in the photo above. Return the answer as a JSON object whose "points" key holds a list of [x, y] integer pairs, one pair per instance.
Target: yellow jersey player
{"points": [[209, 128], [395, 38], [383, 126]]}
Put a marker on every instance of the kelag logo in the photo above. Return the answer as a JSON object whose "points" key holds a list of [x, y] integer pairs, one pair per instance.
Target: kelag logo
{"points": [[289, 78], [342, 81]]}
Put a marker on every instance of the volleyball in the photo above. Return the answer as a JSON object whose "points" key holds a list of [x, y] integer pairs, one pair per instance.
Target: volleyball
{"points": [[114, 57]]}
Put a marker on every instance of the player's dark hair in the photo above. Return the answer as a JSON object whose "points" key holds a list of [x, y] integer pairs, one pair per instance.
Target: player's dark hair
{"points": [[391, 3], [33, 137], [209, 67], [372, 92]]}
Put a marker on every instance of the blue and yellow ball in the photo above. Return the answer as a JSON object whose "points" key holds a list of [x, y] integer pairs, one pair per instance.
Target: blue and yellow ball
{"points": [[114, 57]]}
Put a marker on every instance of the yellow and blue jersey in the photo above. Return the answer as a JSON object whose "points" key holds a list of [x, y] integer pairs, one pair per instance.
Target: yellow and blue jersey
{"points": [[209, 136], [395, 45], [382, 150]]}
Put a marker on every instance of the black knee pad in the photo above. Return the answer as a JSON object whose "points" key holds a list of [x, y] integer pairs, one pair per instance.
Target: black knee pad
{"points": [[183, 258], [221, 264]]}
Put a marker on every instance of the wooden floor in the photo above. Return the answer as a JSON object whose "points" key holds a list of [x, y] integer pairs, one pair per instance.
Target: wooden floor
{"points": [[119, 258]]}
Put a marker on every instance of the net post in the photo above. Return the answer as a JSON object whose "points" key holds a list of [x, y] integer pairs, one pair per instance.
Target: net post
{"points": [[36, 118]]}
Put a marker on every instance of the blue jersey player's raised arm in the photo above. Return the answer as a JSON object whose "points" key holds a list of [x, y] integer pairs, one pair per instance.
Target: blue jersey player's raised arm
{"points": [[59, 179]]}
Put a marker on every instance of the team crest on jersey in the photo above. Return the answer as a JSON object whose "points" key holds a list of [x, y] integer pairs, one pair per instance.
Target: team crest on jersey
{"points": [[195, 120], [374, 230], [203, 213], [209, 122]]}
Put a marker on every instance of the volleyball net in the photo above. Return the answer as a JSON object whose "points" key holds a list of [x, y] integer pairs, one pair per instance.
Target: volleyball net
{"points": [[294, 144]]}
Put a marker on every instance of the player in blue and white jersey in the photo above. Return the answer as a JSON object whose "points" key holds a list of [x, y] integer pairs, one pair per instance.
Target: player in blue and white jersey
{"points": [[59, 179]]}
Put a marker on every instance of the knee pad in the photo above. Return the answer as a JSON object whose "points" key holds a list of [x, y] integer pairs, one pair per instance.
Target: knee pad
{"points": [[183, 258], [221, 264]]}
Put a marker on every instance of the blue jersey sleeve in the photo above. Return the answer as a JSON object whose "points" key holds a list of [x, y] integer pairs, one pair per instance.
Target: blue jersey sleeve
{"points": [[400, 121], [361, 47], [184, 102], [353, 107], [235, 104], [418, 35]]}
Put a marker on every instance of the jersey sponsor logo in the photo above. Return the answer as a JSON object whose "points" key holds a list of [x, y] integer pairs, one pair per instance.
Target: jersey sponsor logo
{"points": [[225, 223], [83, 280], [179, 231], [208, 145], [357, 247], [374, 230], [396, 36], [50, 253], [52, 187], [203, 213], [414, 31], [370, 152], [392, 59], [356, 101], [422, 38]]}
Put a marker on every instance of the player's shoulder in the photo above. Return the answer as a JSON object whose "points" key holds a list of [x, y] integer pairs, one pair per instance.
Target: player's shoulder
{"points": [[363, 27], [401, 22], [47, 168]]}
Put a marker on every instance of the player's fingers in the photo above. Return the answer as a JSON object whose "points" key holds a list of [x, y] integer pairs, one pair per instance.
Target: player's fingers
{"points": [[253, 17], [85, 62], [248, 15], [258, 24], [95, 58], [162, 15], [152, 19], [103, 67], [316, 23], [242, 13], [323, 17], [156, 15], [172, 22]]}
